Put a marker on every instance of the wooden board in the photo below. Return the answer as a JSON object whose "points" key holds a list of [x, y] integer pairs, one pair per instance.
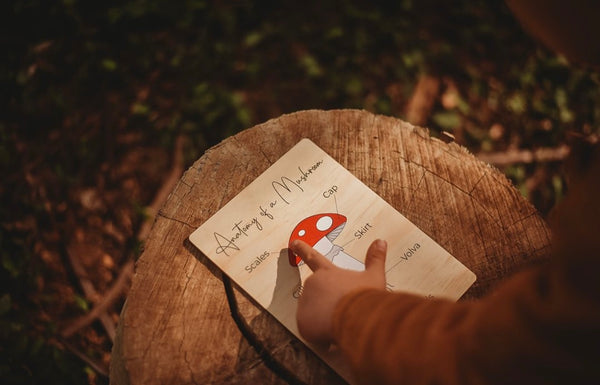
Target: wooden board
{"points": [[177, 324], [307, 195]]}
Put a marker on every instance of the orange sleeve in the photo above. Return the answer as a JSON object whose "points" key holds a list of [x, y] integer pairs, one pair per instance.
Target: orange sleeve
{"points": [[542, 326]]}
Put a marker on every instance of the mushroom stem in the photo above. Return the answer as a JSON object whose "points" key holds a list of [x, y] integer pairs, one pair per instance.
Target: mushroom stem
{"points": [[346, 261], [336, 255]]}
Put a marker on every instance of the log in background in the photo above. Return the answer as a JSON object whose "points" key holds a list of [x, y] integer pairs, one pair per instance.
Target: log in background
{"points": [[177, 326]]}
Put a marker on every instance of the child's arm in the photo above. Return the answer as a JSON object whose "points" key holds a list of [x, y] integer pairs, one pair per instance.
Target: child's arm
{"points": [[542, 326]]}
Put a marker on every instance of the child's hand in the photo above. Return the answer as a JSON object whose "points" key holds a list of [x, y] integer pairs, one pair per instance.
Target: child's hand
{"points": [[328, 284]]}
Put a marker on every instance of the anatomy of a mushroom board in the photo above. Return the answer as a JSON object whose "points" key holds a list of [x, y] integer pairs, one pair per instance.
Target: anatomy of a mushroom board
{"points": [[307, 195]]}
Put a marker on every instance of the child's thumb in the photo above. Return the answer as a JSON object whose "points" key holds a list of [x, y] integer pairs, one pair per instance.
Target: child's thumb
{"points": [[375, 260]]}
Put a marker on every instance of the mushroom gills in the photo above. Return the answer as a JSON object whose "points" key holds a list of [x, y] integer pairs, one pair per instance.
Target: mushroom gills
{"points": [[335, 232]]}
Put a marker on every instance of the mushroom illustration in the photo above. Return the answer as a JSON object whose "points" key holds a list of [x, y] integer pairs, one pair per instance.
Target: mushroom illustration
{"points": [[319, 231]]}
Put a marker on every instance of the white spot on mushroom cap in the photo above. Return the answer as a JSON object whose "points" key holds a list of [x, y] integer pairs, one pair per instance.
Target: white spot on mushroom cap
{"points": [[301, 232], [324, 223]]}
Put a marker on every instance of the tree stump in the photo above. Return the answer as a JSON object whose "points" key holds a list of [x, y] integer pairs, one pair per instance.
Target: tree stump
{"points": [[183, 322]]}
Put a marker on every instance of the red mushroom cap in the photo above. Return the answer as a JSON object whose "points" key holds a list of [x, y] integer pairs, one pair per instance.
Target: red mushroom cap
{"points": [[314, 228]]}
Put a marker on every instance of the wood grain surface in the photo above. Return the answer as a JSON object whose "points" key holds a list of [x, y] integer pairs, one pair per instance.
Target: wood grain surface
{"points": [[177, 325]]}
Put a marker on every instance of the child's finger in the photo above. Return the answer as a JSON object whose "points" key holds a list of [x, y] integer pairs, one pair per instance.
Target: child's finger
{"points": [[375, 260], [310, 256]]}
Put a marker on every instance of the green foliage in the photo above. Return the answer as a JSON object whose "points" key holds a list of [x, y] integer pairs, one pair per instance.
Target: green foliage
{"points": [[34, 361], [27, 353], [447, 120]]}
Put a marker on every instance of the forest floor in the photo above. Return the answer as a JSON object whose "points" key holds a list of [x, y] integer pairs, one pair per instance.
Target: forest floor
{"points": [[106, 105]]}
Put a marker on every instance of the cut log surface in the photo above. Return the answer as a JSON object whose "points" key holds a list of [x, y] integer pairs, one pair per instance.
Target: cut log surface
{"points": [[179, 326]]}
